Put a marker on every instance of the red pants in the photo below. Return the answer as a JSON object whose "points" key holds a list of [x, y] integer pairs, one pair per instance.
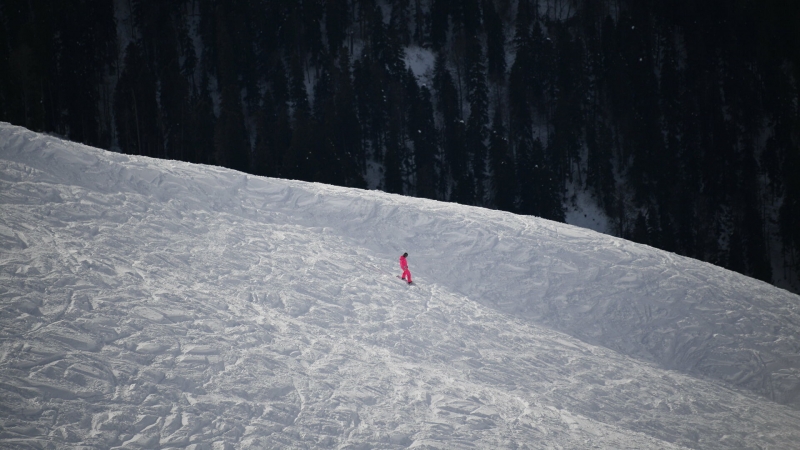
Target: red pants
{"points": [[406, 273]]}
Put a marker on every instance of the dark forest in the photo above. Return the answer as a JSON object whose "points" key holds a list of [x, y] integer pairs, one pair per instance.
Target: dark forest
{"points": [[678, 118]]}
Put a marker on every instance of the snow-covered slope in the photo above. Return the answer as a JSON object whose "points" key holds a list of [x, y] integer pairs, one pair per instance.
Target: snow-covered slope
{"points": [[157, 304]]}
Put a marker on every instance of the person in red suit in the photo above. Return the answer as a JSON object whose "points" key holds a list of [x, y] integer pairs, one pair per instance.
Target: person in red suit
{"points": [[404, 265]]}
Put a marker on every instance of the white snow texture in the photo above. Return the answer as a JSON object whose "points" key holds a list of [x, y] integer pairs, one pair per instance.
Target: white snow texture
{"points": [[157, 304]]}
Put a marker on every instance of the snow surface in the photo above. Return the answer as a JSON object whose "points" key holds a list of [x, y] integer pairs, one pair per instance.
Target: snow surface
{"points": [[420, 61], [584, 212], [157, 304]]}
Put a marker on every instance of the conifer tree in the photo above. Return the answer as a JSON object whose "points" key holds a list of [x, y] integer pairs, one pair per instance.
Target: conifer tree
{"points": [[495, 42], [400, 21], [600, 173], [297, 91], [393, 177], [136, 106], [83, 43], [337, 16], [232, 148], [342, 133], [440, 22], [501, 165], [477, 132], [421, 20], [200, 125], [426, 150], [452, 129]]}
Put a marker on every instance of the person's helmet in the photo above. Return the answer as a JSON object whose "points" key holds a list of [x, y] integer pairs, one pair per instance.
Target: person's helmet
{"points": [[405, 255]]}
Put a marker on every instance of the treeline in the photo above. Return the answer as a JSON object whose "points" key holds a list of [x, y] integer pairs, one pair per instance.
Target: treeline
{"points": [[679, 117]]}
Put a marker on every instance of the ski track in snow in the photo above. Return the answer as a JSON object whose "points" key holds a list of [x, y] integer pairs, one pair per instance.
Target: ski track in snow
{"points": [[157, 304]]}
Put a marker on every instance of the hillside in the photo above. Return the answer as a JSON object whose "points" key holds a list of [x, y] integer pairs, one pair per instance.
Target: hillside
{"points": [[159, 304], [672, 124]]}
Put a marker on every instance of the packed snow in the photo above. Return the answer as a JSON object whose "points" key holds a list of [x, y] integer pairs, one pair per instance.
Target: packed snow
{"points": [[157, 304]]}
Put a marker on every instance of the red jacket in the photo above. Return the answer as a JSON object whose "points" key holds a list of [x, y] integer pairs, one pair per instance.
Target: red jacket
{"points": [[403, 263]]}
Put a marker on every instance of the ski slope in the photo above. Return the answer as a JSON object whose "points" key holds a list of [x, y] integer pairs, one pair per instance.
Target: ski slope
{"points": [[156, 304]]}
